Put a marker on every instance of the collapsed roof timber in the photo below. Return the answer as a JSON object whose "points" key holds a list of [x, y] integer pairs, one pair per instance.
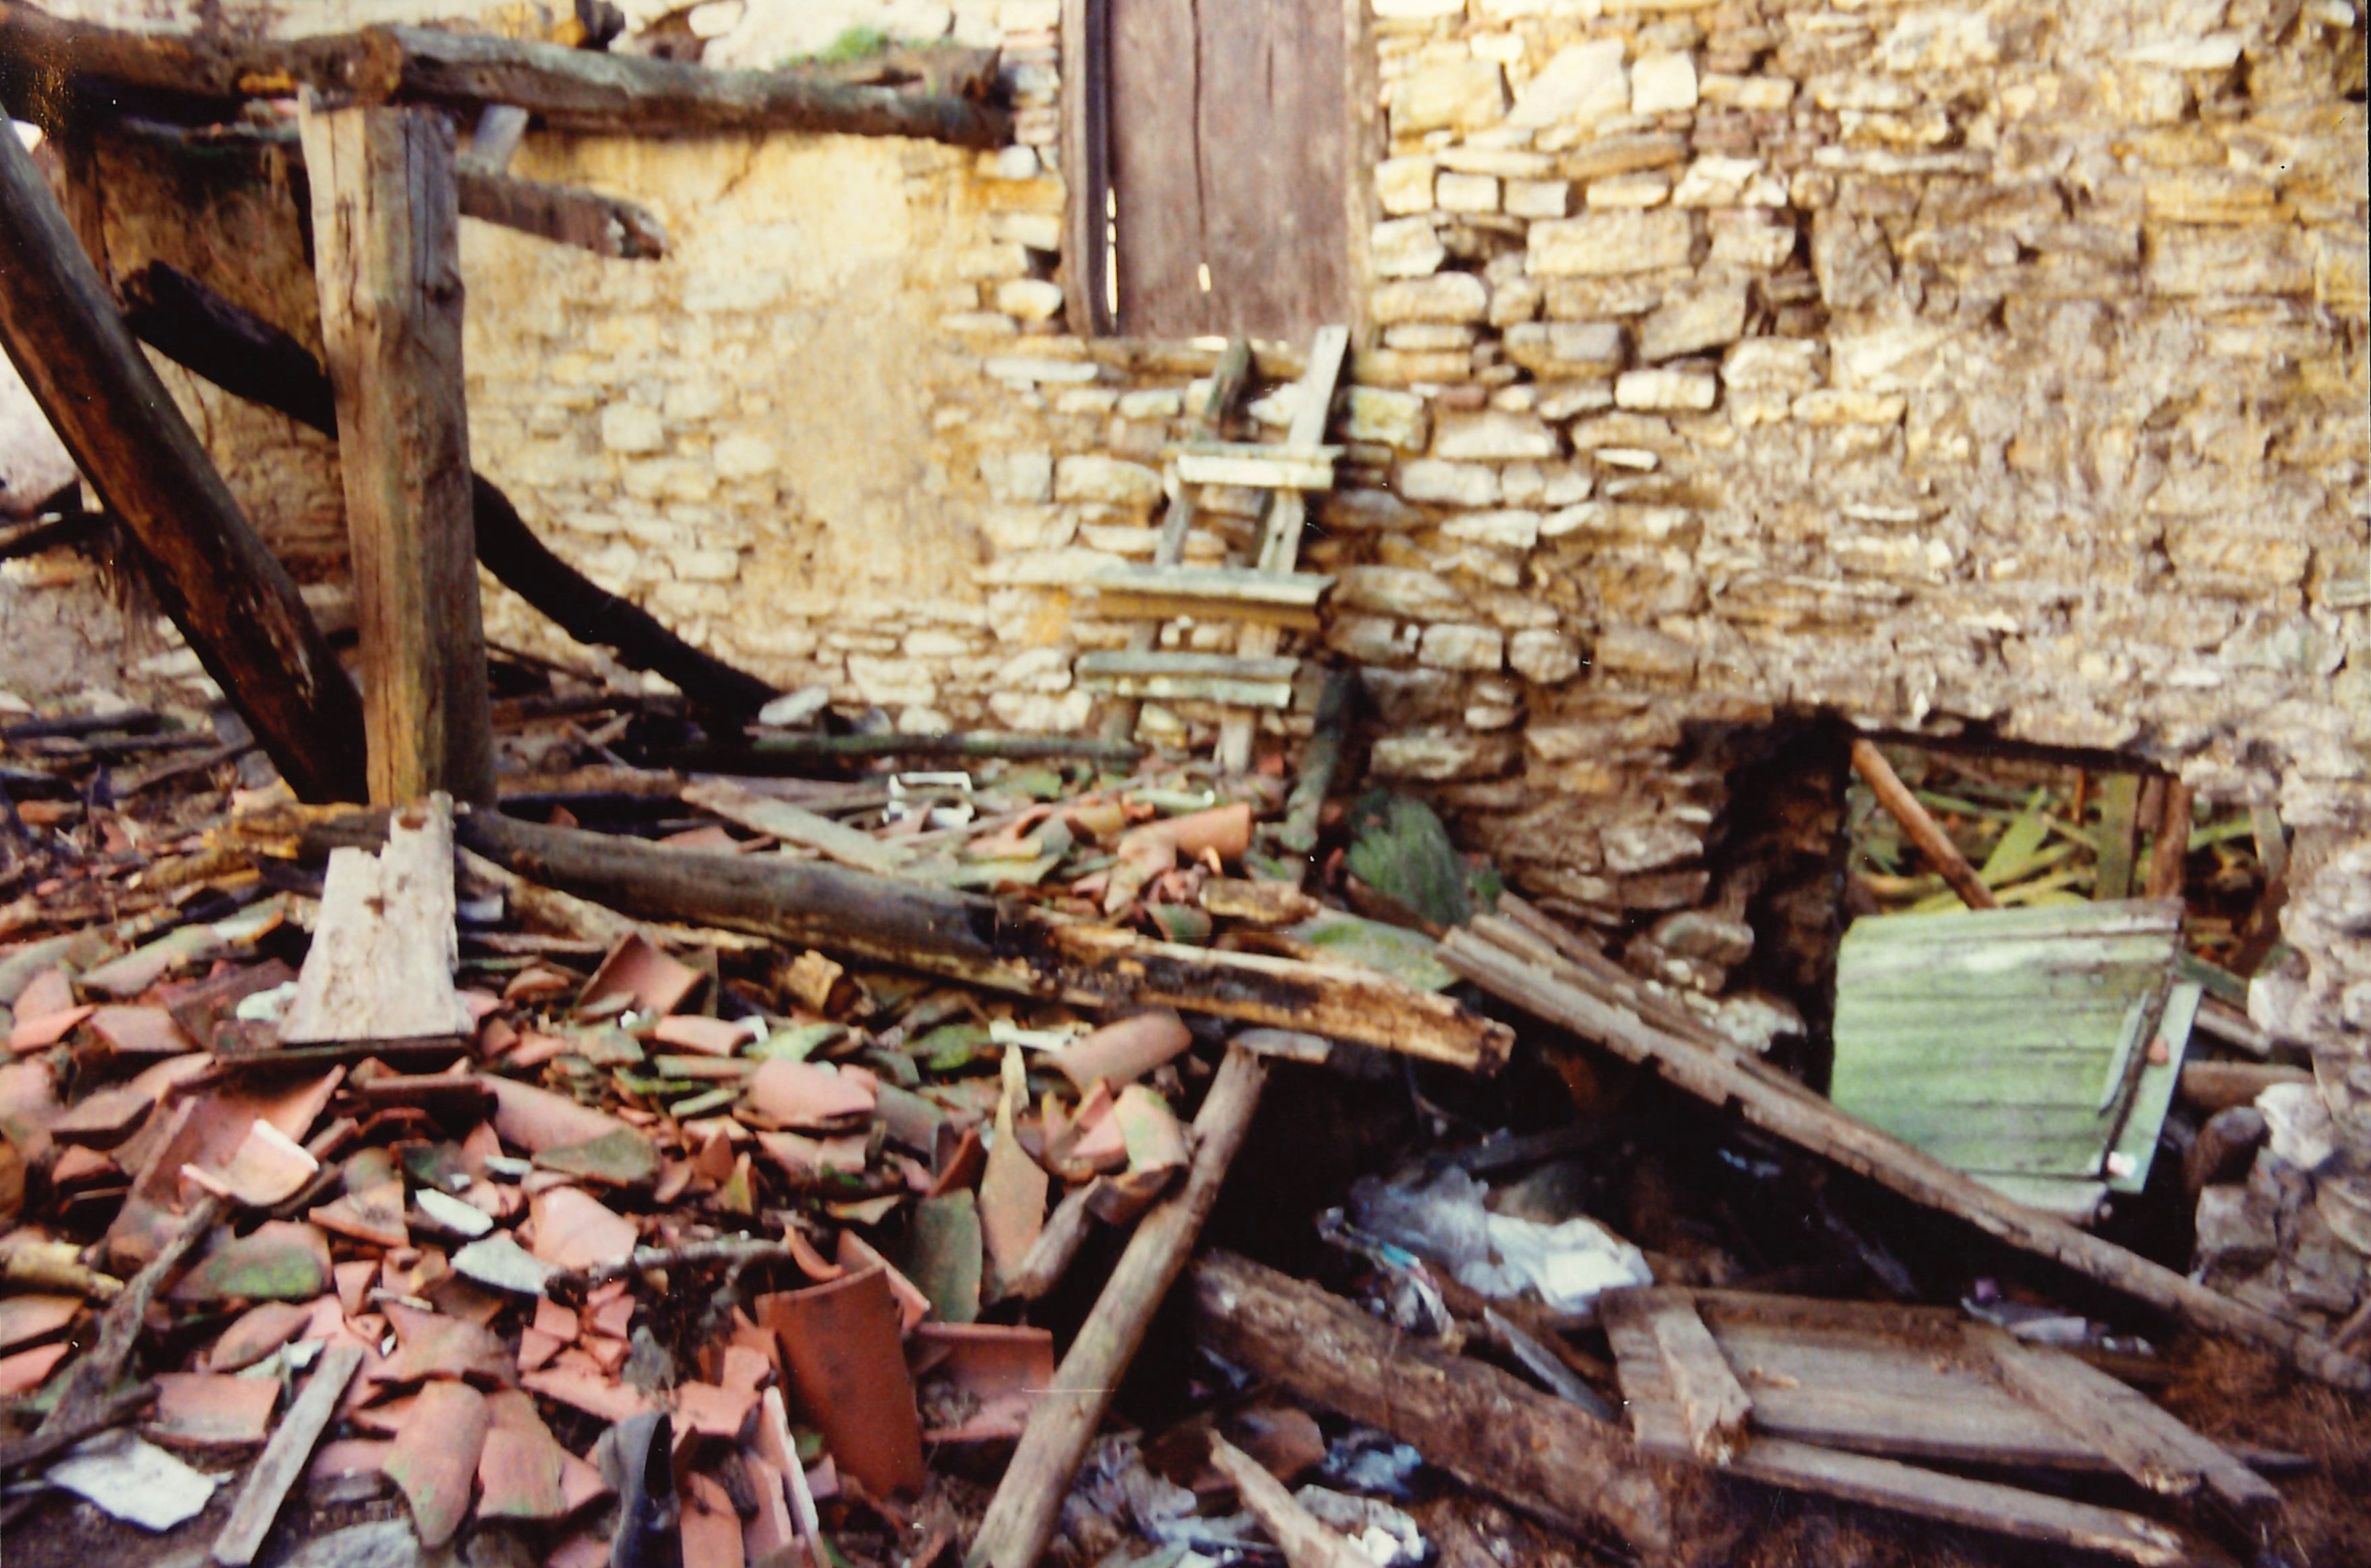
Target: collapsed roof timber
{"points": [[464, 1099]]}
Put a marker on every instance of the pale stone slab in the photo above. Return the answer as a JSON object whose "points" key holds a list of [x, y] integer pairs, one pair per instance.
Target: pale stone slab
{"points": [[1608, 244]]}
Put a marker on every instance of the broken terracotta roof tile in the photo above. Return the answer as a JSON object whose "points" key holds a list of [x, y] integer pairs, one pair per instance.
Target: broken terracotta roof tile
{"points": [[555, 1320], [268, 1168], [623, 1158], [710, 1411], [708, 1036], [840, 1343], [353, 1280], [280, 1260], [653, 982], [769, 1528], [209, 1407], [257, 1333], [103, 1120], [47, 993], [1119, 1054], [1155, 1138], [585, 1549], [536, 1119], [608, 1354], [613, 1315], [82, 1167], [430, 1344], [856, 1254], [140, 1031], [799, 1155], [588, 1391], [24, 1319], [535, 1349], [518, 1475], [342, 1458], [436, 1457], [24, 1371], [744, 1368], [711, 1528], [30, 1034], [802, 1094], [1000, 1369], [575, 1230]]}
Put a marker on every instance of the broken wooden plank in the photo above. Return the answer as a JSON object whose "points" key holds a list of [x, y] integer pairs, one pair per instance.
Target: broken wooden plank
{"points": [[605, 226], [567, 89], [383, 947], [1306, 1541], [2168, 858], [284, 1457], [224, 590], [2218, 1086], [1338, 706], [1217, 586], [1255, 465], [2120, 804], [797, 755], [1561, 993], [792, 824], [1495, 1433], [1207, 678], [1009, 947], [1713, 1404], [1924, 830], [1028, 1502], [387, 256], [2146, 1442]]}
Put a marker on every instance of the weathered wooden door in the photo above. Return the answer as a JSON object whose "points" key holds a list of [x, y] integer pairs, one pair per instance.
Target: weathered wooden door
{"points": [[1228, 133]]}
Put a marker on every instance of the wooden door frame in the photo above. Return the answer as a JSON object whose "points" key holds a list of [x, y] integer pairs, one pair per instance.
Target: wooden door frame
{"points": [[1086, 165]]}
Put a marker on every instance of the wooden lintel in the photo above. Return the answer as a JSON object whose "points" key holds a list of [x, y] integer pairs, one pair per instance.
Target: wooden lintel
{"points": [[387, 238]]}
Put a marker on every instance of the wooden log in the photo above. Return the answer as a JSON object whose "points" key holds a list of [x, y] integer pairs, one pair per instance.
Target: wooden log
{"points": [[2218, 1086], [1536, 1454], [230, 597], [1924, 830], [246, 355], [1028, 1502], [605, 226], [1009, 947], [92, 1378], [2146, 1442], [284, 1457], [1226, 385], [387, 253], [1563, 994], [567, 89], [1056, 1247]]}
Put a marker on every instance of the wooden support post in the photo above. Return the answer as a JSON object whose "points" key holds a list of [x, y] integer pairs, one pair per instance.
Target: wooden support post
{"points": [[2120, 805], [1924, 830], [1020, 1518], [386, 230], [233, 600], [2172, 850]]}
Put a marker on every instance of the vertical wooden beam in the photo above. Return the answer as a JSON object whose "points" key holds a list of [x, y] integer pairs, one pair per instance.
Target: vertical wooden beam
{"points": [[223, 588], [2120, 805], [2168, 856], [386, 257]]}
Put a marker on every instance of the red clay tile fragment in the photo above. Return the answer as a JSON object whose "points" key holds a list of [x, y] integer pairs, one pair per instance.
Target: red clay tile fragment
{"points": [[840, 1344], [708, 1036], [23, 1372], [343, 1457], [31, 1035], [536, 1119], [82, 1167], [587, 1391], [856, 1256], [1004, 1369], [433, 1345], [1119, 1054], [138, 1031], [535, 1349], [801, 1094], [436, 1457], [583, 1550], [24, 1319], [744, 1369], [711, 1411], [769, 1528], [268, 1168], [353, 1283], [555, 1320], [103, 1120], [710, 1529], [47, 993], [576, 1230], [280, 1260], [208, 1407], [518, 1475], [653, 982], [259, 1331]]}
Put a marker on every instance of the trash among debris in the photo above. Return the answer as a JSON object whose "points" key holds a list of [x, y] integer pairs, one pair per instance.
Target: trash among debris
{"points": [[1566, 1267], [134, 1480]]}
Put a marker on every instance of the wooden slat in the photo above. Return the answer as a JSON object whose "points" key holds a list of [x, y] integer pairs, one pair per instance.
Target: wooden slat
{"points": [[1194, 689], [1224, 584], [284, 1457], [1256, 467], [2120, 798], [1122, 603], [387, 256], [793, 824], [1713, 1405], [1207, 678], [2147, 1443]]}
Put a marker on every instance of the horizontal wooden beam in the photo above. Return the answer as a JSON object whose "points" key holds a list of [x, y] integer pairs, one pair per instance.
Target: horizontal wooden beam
{"points": [[605, 226], [569, 90]]}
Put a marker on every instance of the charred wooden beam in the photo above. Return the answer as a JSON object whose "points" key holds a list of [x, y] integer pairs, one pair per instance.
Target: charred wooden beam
{"points": [[386, 242], [569, 89], [246, 355], [1009, 947], [232, 599]]}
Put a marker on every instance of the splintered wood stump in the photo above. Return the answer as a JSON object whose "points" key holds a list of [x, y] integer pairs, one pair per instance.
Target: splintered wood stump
{"points": [[386, 238], [233, 600], [1495, 1433]]}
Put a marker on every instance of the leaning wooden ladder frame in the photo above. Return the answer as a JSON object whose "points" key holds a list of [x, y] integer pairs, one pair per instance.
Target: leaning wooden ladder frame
{"points": [[1268, 597]]}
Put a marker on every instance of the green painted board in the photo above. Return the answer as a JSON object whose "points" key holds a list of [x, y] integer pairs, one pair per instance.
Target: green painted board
{"points": [[2135, 1150], [2013, 1043]]}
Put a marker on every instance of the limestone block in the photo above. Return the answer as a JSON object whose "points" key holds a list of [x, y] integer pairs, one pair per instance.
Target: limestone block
{"points": [[1417, 10], [1372, 639], [1030, 370], [1938, 39], [891, 682], [1450, 646], [1625, 648], [1645, 189], [1429, 337], [2235, 1228], [2342, 271], [631, 428], [1385, 417], [1759, 95], [1439, 756], [1603, 244], [1716, 182], [1039, 713], [1662, 83], [1403, 186], [744, 456], [1563, 400], [1850, 259], [1785, 364], [1022, 527], [2211, 52], [1510, 528], [1037, 231], [1539, 198], [1454, 95], [1444, 296], [1610, 155], [1670, 390], [1467, 193], [1542, 657], [1500, 163], [1758, 239], [1581, 84], [1447, 484], [1035, 669], [1404, 248], [1110, 481], [1022, 475], [1835, 406], [1397, 591], [1691, 323], [2270, 260], [1493, 435], [1410, 698], [986, 263], [929, 642], [2227, 547], [1029, 299], [1633, 846], [707, 566], [687, 402], [1369, 512]]}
